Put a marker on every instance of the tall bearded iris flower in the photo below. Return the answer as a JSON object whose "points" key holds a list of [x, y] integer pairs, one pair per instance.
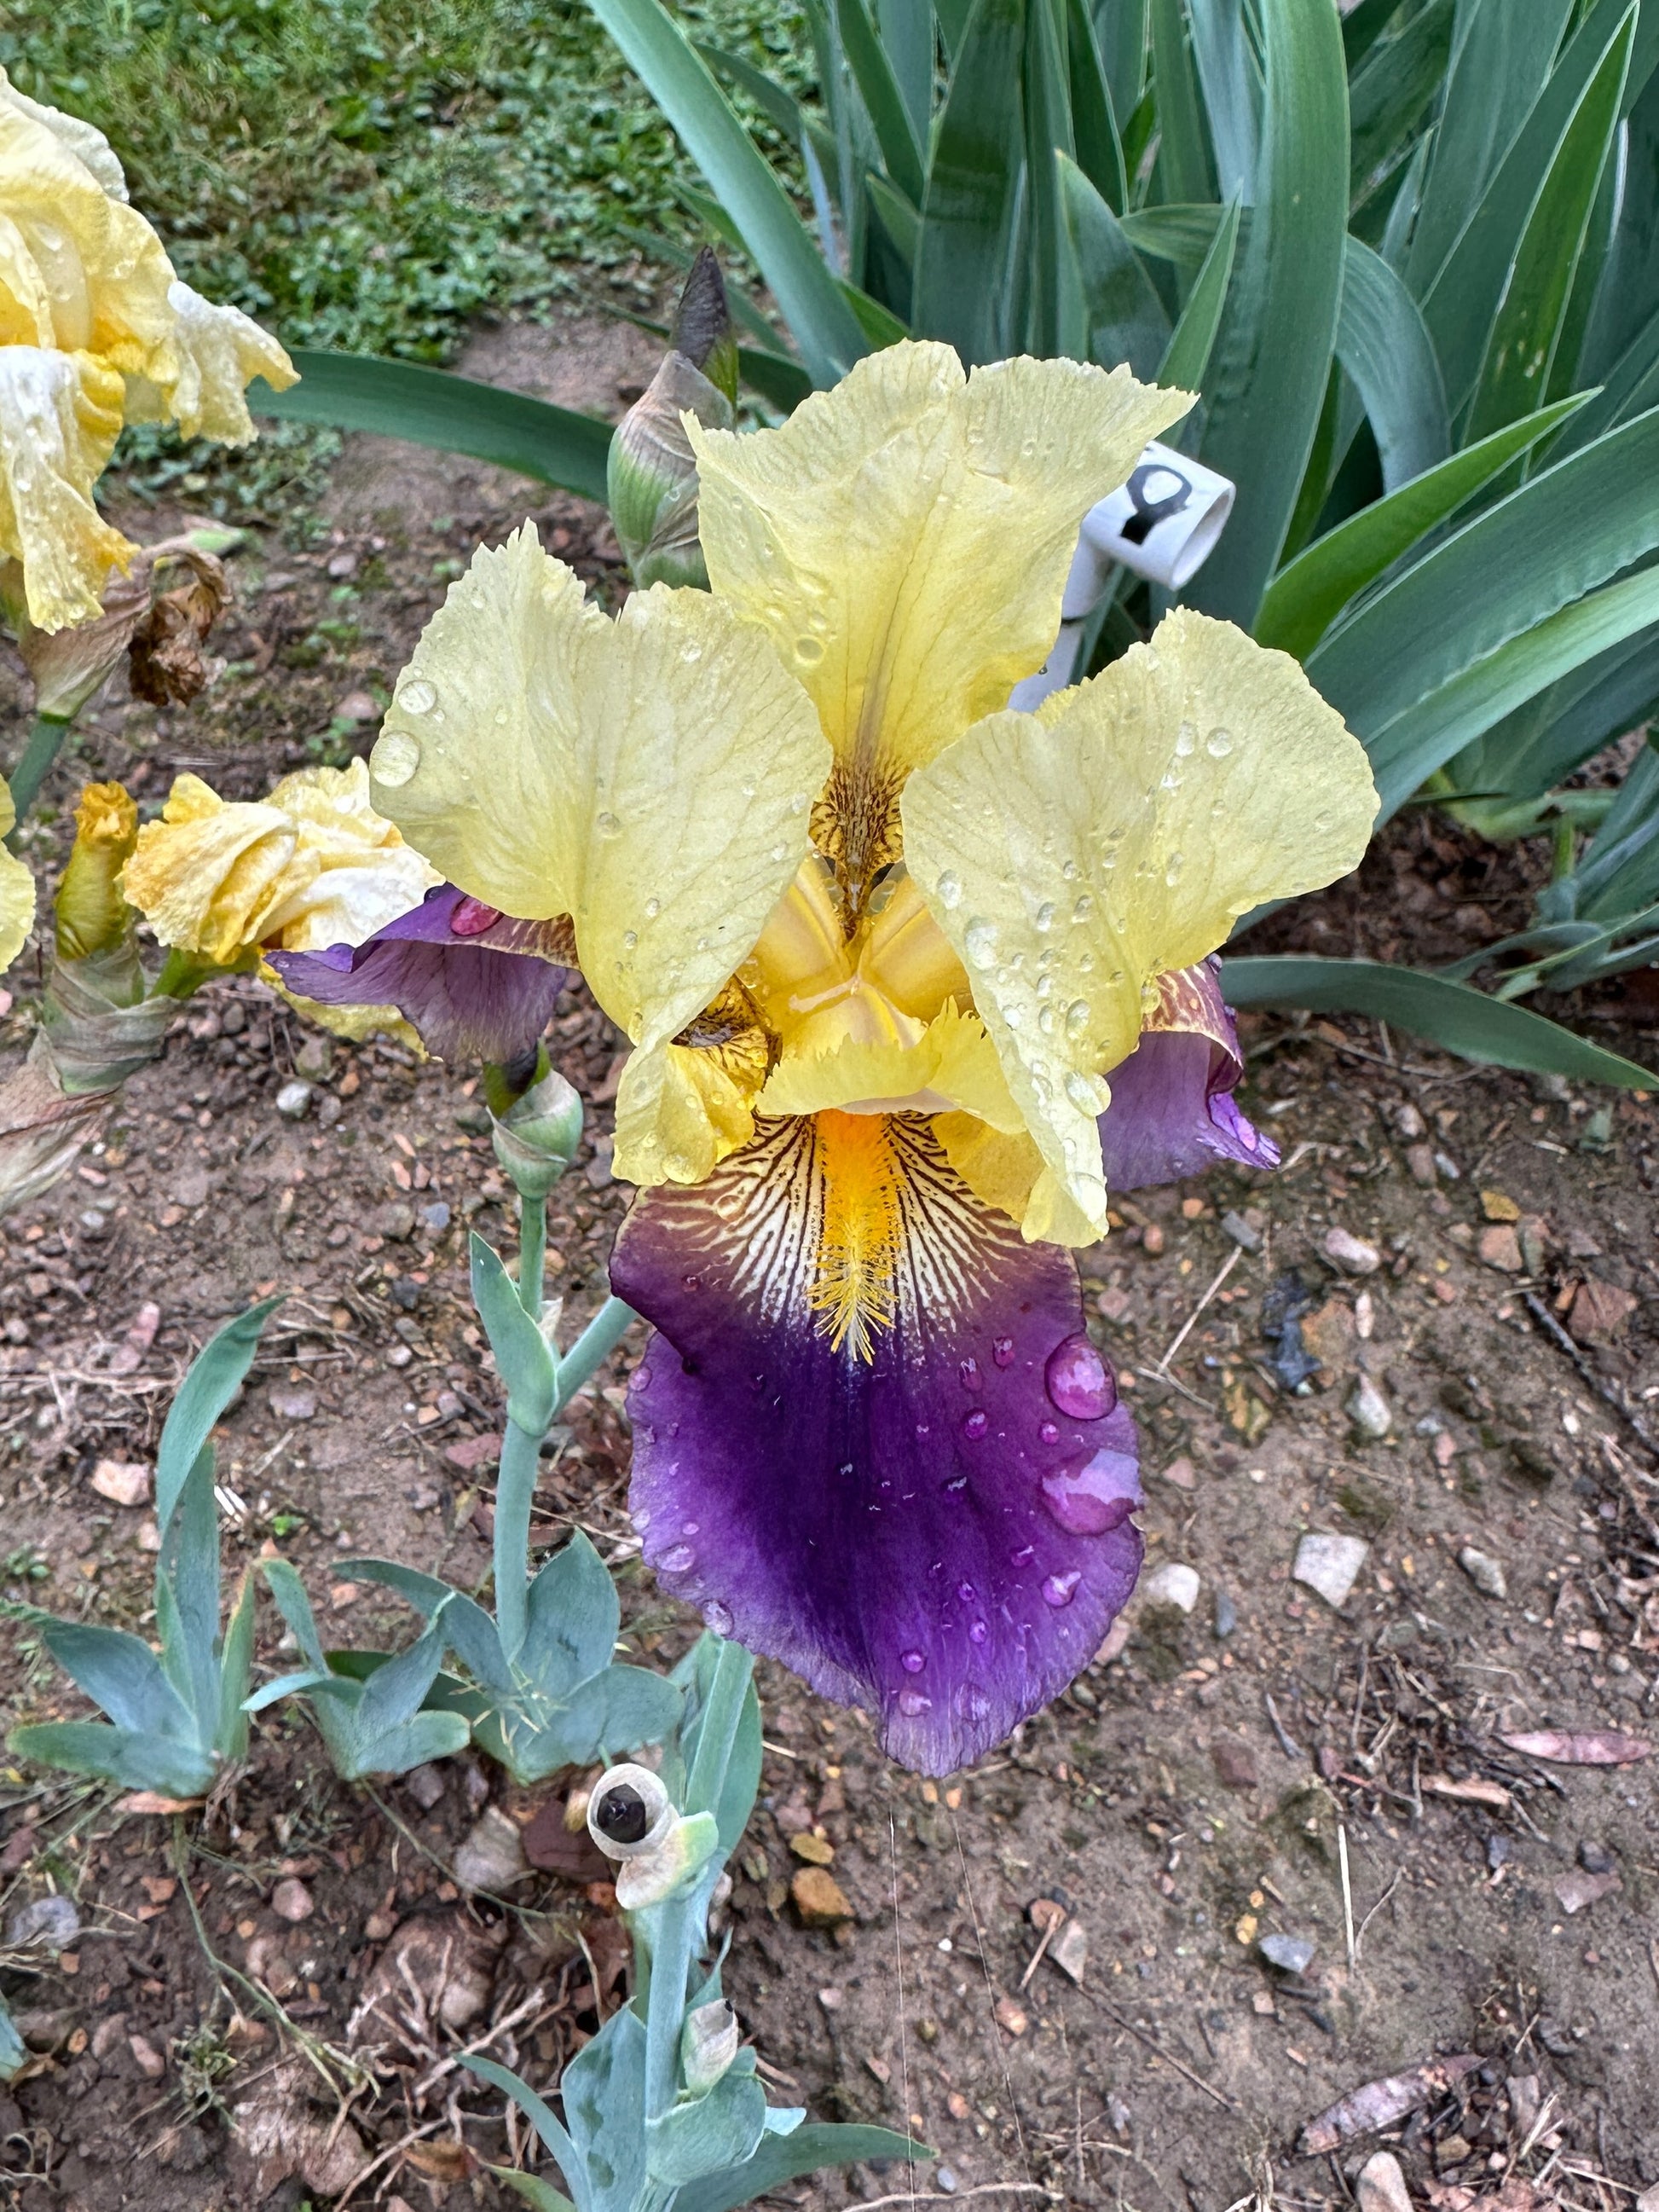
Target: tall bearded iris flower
{"points": [[879, 945], [95, 331]]}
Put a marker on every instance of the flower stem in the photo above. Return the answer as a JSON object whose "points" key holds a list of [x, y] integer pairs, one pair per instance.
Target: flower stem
{"points": [[602, 1335], [717, 1730], [532, 1252], [39, 754], [515, 1492]]}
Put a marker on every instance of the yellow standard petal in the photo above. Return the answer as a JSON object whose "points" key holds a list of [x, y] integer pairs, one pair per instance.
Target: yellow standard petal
{"points": [[60, 415], [652, 777], [1074, 856], [84, 140], [905, 539], [311, 865], [16, 890]]}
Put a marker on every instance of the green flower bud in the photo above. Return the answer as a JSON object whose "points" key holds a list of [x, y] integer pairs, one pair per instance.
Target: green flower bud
{"points": [[652, 474], [708, 2043], [537, 1137]]}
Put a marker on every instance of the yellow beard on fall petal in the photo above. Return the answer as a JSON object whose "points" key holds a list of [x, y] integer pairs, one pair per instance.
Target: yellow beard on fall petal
{"points": [[858, 1242]]}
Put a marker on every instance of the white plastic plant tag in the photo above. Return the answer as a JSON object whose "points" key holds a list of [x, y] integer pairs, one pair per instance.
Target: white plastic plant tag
{"points": [[1164, 523]]}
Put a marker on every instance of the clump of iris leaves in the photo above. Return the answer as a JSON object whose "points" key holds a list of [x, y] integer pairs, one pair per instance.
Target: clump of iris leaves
{"points": [[364, 175]]}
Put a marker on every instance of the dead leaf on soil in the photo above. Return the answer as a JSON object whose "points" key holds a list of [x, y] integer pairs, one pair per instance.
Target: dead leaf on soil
{"points": [[1577, 1889], [1379, 2104], [1593, 1748], [1599, 1310], [1475, 1790]]}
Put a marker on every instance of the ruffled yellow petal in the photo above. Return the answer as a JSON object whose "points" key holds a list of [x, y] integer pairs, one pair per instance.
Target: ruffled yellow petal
{"points": [[221, 351], [905, 537], [678, 1114], [1074, 856], [311, 865], [952, 1066], [16, 890], [103, 268], [650, 777], [60, 415], [84, 140]]}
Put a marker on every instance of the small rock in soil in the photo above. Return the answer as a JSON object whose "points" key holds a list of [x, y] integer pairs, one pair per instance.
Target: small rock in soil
{"points": [[1330, 1565], [817, 1851], [1599, 1310], [52, 1921], [276, 2137], [1291, 1954], [292, 1900], [1498, 1205], [123, 1481], [1175, 1584], [1369, 1410], [1499, 1247], [1381, 2186], [293, 1404], [1576, 1889], [1351, 1253], [1226, 1616], [492, 1857], [1240, 1230], [1484, 1571], [426, 1785], [1595, 1858], [149, 2059], [1012, 2017], [1235, 1764], [432, 1981], [1070, 1951], [294, 1101], [1180, 1471], [819, 1899]]}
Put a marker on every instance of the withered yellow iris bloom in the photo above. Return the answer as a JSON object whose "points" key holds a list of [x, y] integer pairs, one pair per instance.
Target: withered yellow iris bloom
{"points": [[16, 890], [95, 331]]}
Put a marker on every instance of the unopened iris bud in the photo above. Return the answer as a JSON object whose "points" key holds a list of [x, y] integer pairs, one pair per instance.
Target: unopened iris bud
{"points": [[652, 474], [537, 1136], [92, 914], [708, 2043]]}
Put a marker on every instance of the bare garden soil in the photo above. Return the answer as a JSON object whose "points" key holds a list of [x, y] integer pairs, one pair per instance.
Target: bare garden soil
{"points": [[259, 2003]]}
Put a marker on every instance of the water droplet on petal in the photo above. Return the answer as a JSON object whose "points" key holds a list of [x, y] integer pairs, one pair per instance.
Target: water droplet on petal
{"points": [[809, 649], [641, 1519], [418, 697], [472, 917], [975, 1424], [717, 1617], [968, 1372], [966, 1592], [1084, 906], [1219, 744], [1060, 1589], [912, 1704], [676, 1559], [1044, 916], [948, 890], [1077, 1380], [1002, 1351], [692, 1282], [606, 824], [1023, 1557], [642, 1375], [977, 1632], [653, 908], [980, 938], [1077, 1017], [912, 1662], [630, 939], [1172, 868], [1048, 1432], [395, 758]]}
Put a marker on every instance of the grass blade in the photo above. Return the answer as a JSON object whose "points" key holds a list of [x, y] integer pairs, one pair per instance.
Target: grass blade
{"points": [[1382, 342], [1180, 234], [1391, 91], [1187, 359], [1124, 319], [973, 188], [1094, 124], [1305, 597], [1055, 306], [908, 38], [1521, 346], [890, 118], [1453, 1016], [1120, 31], [1183, 152], [1231, 82], [430, 407], [678, 80], [1272, 362]]}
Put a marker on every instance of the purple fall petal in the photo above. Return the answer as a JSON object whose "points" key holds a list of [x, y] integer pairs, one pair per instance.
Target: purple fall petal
{"points": [[939, 1534], [1173, 1113], [476, 984]]}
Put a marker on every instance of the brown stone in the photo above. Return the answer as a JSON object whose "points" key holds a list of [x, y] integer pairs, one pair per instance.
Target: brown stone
{"points": [[1234, 1763], [1498, 1205], [123, 1481], [292, 1900], [1328, 1334], [1599, 1310], [1499, 1247], [819, 1899], [1419, 1165], [817, 1851]]}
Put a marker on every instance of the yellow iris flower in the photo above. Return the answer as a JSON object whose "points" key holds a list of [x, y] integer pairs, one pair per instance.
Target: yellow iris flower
{"points": [[311, 865], [95, 331], [813, 864]]}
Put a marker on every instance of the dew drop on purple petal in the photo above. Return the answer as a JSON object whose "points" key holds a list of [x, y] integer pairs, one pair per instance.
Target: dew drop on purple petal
{"points": [[717, 1617], [1099, 1494], [1048, 1432], [1002, 1351], [1060, 1589], [975, 1424], [922, 1431], [642, 1376], [641, 1520], [1023, 1557], [688, 1528], [977, 1632], [1079, 1381], [676, 1559], [976, 1704], [912, 1662], [955, 1485], [692, 1282], [966, 1592], [912, 1704], [969, 1373], [472, 917]]}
